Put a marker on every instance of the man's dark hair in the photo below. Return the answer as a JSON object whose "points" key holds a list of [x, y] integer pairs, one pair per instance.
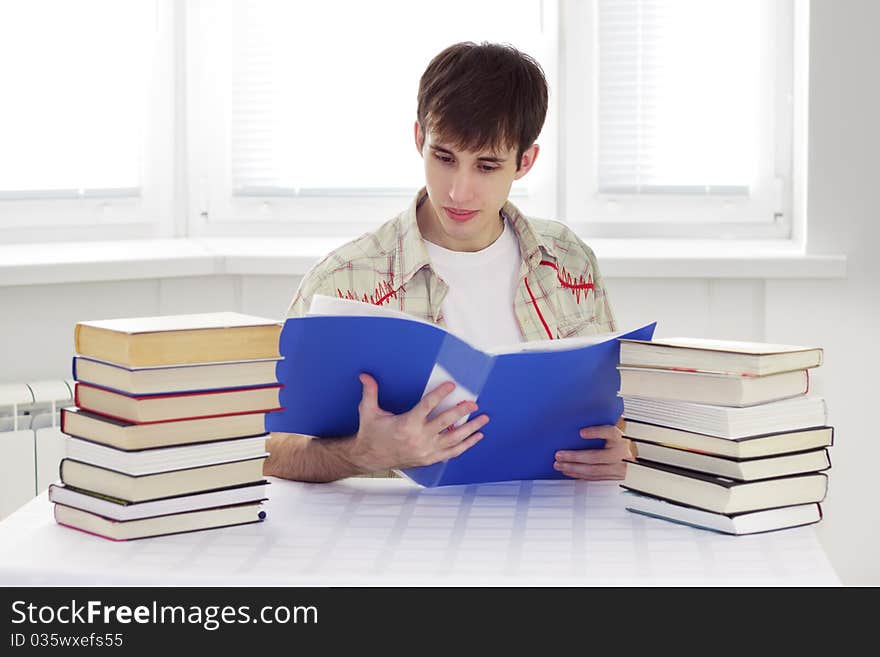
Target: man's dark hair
{"points": [[487, 95]]}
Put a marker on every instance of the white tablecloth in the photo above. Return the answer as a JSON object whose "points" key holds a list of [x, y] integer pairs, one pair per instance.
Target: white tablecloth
{"points": [[391, 532]]}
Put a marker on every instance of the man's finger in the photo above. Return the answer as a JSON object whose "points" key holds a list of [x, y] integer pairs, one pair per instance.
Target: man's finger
{"points": [[454, 437], [452, 415], [592, 472], [608, 432], [430, 401], [615, 453], [462, 446]]}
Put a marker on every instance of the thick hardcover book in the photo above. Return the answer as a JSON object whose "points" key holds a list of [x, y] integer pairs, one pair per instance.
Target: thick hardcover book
{"points": [[178, 339], [760, 444], [720, 494], [726, 421], [739, 469], [116, 509], [163, 459], [140, 488], [180, 378], [143, 409], [178, 523], [130, 436], [721, 356], [703, 388], [537, 395], [753, 522]]}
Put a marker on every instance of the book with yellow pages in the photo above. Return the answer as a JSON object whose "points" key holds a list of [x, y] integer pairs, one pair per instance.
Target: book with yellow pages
{"points": [[174, 378], [707, 388], [721, 356], [750, 446], [738, 469], [176, 406], [721, 494], [178, 339], [177, 523], [161, 484], [131, 436]]}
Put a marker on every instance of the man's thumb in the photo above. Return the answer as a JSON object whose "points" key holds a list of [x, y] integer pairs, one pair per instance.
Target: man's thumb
{"points": [[370, 393]]}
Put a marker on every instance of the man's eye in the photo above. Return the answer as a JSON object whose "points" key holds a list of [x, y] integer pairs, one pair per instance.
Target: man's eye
{"points": [[443, 158], [487, 169]]}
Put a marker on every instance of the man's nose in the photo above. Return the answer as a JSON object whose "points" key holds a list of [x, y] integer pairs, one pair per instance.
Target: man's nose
{"points": [[462, 189]]}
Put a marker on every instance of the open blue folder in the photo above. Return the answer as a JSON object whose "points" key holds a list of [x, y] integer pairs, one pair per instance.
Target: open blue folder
{"points": [[537, 401]]}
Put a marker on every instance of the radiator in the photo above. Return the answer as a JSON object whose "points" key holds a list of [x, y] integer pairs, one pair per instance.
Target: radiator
{"points": [[31, 442]]}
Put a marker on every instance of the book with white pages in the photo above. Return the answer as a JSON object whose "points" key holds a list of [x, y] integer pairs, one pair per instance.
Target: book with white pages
{"points": [[726, 421], [709, 388], [117, 509], [752, 522], [163, 459]]}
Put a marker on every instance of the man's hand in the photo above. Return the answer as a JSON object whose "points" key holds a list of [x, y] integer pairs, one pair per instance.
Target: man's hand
{"points": [[386, 441], [597, 464]]}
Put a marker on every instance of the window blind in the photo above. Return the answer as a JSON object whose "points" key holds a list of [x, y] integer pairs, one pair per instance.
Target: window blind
{"points": [[680, 103], [323, 95]]}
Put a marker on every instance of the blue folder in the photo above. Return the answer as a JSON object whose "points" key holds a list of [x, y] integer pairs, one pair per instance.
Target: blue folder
{"points": [[537, 401]]}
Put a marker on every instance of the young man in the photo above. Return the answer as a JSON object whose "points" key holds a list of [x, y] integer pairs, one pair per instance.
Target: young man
{"points": [[464, 257]]}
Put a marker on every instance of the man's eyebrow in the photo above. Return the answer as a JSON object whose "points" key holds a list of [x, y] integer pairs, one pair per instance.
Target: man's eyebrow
{"points": [[482, 158]]}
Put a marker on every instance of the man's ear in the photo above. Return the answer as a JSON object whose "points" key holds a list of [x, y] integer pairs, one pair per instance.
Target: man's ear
{"points": [[419, 137], [528, 160]]}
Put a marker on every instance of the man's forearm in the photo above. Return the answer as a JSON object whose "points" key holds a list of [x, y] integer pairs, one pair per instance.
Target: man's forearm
{"points": [[304, 458]]}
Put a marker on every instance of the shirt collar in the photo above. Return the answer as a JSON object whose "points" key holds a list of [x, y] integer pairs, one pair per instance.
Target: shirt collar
{"points": [[412, 255], [532, 248]]}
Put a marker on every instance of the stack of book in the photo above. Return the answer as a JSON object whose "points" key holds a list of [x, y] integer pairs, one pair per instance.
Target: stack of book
{"points": [[168, 432], [727, 435]]}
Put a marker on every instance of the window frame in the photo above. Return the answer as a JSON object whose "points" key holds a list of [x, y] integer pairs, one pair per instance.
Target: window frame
{"points": [[604, 215]]}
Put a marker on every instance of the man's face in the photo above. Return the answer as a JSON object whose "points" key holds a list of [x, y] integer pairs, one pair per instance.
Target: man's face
{"points": [[466, 191]]}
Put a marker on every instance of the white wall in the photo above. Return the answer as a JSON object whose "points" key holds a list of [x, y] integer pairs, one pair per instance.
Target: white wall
{"points": [[36, 326], [843, 315]]}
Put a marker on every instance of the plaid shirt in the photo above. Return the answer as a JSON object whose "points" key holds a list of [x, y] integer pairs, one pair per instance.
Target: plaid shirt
{"points": [[561, 293]]}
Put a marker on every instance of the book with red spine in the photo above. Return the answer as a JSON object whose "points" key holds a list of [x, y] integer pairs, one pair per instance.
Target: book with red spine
{"points": [[145, 409]]}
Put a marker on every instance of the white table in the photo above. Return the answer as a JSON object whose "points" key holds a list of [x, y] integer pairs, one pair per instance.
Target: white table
{"points": [[391, 532]]}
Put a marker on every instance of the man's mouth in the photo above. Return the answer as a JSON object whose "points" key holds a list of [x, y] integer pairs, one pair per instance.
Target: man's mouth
{"points": [[457, 214]]}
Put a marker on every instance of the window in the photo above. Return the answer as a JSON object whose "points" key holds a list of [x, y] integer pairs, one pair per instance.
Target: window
{"points": [[679, 117], [301, 114], [152, 118], [84, 123]]}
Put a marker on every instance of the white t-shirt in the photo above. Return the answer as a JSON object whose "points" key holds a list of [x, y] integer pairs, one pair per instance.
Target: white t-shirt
{"points": [[482, 284]]}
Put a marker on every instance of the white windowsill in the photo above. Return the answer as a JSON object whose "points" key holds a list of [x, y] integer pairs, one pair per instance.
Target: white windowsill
{"points": [[75, 262]]}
